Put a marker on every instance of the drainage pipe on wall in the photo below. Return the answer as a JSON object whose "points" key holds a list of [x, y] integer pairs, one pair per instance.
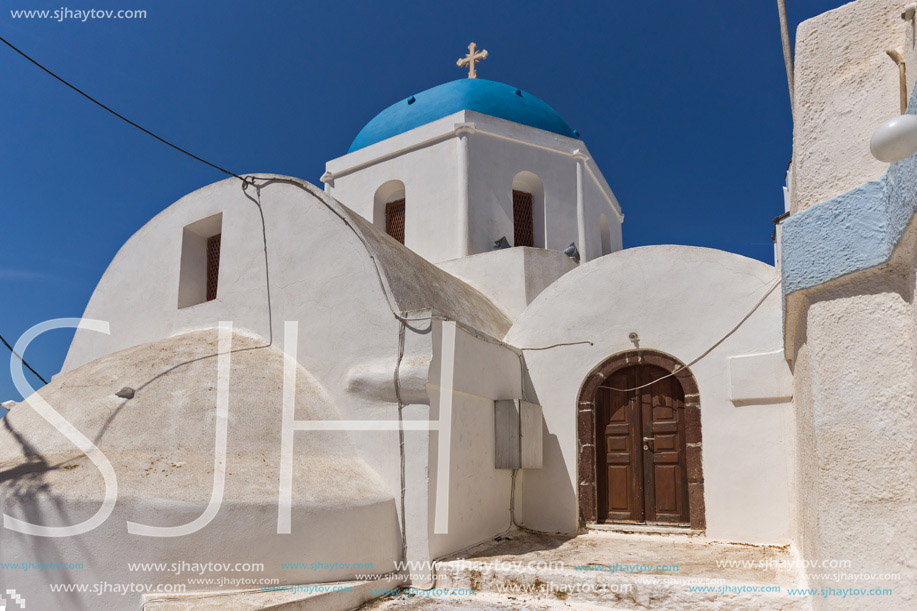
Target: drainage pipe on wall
{"points": [[902, 78]]}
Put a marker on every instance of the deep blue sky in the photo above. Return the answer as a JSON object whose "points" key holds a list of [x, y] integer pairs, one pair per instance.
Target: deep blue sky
{"points": [[683, 105]]}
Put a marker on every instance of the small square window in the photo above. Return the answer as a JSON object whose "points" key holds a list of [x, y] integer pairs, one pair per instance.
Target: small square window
{"points": [[200, 261]]}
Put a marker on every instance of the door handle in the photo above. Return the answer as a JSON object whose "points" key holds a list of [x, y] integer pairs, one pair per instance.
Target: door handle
{"points": [[647, 440]]}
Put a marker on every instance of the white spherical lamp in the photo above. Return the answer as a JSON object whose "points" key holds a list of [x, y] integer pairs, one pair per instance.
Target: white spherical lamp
{"points": [[895, 139]]}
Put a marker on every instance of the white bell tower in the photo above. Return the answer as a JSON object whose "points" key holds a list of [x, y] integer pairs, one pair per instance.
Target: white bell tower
{"points": [[464, 168]]}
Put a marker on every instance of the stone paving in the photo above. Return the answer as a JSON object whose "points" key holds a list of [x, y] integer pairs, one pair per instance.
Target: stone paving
{"points": [[608, 570], [598, 569]]}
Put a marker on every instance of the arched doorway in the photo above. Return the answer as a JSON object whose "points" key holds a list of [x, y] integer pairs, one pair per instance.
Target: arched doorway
{"points": [[640, 442]]}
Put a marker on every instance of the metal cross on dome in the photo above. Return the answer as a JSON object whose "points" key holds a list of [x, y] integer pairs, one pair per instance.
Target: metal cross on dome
{"points": [[469, 60]]}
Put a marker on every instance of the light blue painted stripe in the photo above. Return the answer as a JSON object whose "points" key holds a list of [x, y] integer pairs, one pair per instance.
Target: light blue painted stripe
{"points": [[836, 237], [854, 231]]}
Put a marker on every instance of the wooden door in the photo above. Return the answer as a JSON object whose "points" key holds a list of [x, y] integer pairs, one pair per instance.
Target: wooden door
{"points": [[641, 470]]}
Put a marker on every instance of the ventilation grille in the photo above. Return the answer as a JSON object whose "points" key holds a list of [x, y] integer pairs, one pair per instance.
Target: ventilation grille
{"points": [[523, 223], [394, 219], [213, 265]]}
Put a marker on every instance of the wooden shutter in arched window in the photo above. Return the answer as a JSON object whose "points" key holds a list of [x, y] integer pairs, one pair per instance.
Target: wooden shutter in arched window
{"points": [[523, 221], [394, 219]]}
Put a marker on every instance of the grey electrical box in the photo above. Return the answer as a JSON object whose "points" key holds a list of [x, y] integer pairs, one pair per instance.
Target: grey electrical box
{"points": [[518, 434]]}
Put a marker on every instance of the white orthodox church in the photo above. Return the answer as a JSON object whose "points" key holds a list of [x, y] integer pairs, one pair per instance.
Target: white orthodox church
{"points": [[448, 340]]}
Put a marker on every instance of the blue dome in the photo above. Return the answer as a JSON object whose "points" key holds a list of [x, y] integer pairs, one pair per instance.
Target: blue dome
{"points": [[486, 97]]}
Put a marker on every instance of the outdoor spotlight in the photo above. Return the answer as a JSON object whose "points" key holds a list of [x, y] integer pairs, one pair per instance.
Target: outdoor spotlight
{"points": [[501, 244], [572, 252], [895, 139]]}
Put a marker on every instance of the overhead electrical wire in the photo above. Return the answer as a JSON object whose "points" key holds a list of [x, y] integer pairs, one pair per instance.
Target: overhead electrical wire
{"points": [[116, 113], [126, 120], [754, 308], [19, 356]]}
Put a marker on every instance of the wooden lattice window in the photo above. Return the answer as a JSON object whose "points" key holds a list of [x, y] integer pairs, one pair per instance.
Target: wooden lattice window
{"points": [[394, 219], [213, 265], [523, 221]]}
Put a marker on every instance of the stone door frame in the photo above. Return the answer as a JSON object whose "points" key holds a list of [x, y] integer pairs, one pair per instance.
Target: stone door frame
{"points": [[586, 437]]}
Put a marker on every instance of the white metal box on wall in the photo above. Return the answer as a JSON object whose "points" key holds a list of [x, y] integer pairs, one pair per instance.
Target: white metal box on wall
{"points": [[518, 434]]}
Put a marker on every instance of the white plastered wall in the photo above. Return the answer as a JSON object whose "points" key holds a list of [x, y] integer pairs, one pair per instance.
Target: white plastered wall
{"points": [[348, 339], [475, 493], [845, 87], [512, 277], [681, 301], [430, 177], [856, 388], [854, 337], [138, 296]]}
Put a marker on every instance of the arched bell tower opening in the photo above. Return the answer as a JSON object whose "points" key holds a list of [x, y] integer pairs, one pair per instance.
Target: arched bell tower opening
{"points": [[639, 442], [390, 210], [528, 210]]}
